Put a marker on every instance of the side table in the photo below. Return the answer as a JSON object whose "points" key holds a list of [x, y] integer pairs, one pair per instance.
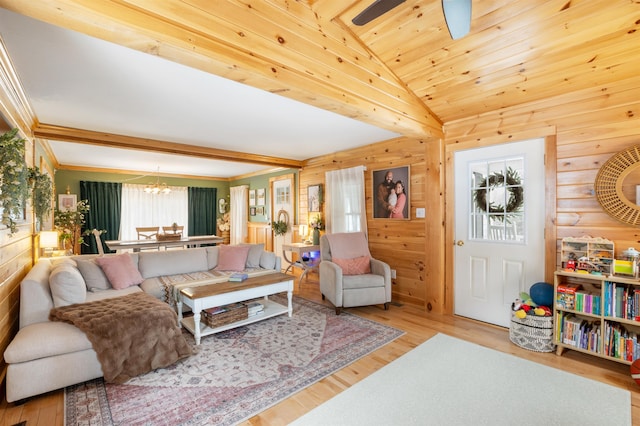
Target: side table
{"points": [[300, 249]]}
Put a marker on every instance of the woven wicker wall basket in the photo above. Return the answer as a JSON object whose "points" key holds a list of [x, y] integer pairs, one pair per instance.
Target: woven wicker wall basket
{"points": [[608, 186]]}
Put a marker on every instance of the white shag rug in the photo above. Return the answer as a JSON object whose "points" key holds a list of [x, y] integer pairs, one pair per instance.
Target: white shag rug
{"points": [[447, 381]]}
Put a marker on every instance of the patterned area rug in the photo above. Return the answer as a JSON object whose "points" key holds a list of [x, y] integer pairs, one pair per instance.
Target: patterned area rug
{"points": [[235, 374]]}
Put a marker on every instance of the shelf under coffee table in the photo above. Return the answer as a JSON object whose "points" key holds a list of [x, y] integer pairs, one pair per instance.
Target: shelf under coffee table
{"points": [[219, 294]]}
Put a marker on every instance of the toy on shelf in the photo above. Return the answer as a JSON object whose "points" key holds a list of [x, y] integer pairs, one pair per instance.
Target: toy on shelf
{"points": [[587, 255]]}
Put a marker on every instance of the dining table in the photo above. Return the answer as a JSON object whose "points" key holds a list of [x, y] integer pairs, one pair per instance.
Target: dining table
{"points": [[136, 245]]}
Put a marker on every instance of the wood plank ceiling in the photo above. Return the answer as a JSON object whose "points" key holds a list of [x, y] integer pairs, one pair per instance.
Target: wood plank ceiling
{"points": [[401, 72]]}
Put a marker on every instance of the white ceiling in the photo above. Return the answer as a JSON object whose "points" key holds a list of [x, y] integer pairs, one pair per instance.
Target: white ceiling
{"points": [[74, 80]]}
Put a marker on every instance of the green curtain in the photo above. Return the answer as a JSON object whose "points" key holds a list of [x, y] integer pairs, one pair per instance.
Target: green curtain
{"points": [[202, 211], [105, 200]]}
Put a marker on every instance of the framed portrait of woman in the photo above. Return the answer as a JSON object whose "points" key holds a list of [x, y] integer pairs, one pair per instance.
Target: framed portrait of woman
{"points": [[391, 193]]}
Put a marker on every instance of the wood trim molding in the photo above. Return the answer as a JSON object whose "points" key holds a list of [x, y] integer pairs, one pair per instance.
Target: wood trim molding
{"points": [[14, 105], [68, 134]]}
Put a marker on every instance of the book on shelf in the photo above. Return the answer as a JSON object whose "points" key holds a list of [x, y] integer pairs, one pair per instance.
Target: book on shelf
{"points": [[255, 308], [238, 277], [566, 295]]}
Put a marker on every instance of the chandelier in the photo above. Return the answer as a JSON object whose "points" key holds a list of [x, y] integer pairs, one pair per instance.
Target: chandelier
{"points": [[156, 188]]}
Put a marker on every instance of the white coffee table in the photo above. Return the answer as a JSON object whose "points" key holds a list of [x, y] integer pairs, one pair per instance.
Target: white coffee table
{"points": [[219, 294]]}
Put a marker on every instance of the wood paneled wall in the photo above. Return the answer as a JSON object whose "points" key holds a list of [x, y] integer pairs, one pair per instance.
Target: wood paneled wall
{"points": [[260, 232], [16, 257], [590, 126], [400, 243]]}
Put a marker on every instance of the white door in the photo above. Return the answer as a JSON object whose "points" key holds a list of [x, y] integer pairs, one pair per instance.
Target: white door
{"points": [[499, 228], [282, 205]]}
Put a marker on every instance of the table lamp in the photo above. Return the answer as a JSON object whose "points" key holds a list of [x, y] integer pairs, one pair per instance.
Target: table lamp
{"points": [[48, 241], [302, 231]]}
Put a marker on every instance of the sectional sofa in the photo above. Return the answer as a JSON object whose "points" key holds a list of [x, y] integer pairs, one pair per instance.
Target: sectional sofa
{"points": [[47, 355]]}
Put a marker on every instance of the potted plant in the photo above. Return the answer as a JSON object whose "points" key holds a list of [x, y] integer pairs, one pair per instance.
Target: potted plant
{"points": [[316, 224], [14, 189], [69, 223], [224, 225]]}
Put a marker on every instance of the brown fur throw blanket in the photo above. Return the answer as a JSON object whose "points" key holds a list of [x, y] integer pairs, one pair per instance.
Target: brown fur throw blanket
{"points": [[131, 334]]}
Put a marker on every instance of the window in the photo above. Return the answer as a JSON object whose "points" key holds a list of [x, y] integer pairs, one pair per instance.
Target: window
{"points": [[143, 209]]}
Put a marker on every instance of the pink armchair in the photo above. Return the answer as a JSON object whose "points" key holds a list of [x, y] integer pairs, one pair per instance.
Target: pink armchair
{"points": [[349, 276]]}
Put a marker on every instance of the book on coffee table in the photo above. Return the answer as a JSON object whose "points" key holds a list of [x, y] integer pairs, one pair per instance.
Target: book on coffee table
{"points": [[238, 277]]}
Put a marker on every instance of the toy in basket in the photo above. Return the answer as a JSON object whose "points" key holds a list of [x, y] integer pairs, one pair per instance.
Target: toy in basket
{"points": [[531, 325]]}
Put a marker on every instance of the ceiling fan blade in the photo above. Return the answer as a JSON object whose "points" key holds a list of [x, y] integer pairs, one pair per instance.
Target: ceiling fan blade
{"points": [[457, 14], [375, 9]]}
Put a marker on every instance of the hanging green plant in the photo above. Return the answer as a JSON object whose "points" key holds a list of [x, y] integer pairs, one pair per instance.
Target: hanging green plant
{"points": [[14, 189], [513, 187], [41, 192]]}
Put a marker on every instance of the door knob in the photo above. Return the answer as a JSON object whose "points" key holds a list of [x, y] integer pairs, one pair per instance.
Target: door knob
{"points": [[460, 243]]}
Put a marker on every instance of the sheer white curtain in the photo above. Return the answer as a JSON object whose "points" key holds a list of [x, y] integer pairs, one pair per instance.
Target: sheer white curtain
{"points": [[239, 214], [345, 200], [142, 209]]}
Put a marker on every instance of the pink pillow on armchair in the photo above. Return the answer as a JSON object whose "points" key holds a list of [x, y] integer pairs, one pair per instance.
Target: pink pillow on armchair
{"points": [[120, 270], [356, 266], [232, 258]]}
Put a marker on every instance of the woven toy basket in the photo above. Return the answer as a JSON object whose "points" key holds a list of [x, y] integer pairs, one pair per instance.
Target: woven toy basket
{"points": [[532, 332]]}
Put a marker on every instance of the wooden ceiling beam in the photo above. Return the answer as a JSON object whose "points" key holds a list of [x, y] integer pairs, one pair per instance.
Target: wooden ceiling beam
{"points": [[287, 50], [68, 134]]}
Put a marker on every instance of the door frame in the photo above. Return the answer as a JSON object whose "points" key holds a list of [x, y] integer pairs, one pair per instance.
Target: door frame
{"points": [[550, 171]]}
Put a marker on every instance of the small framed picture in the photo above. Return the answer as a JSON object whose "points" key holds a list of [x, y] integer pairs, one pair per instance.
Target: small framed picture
{"points": [[260, 210], [252, 211], [391, 193], [314, 194], [252, 197], [67, 202], [261, 197]]}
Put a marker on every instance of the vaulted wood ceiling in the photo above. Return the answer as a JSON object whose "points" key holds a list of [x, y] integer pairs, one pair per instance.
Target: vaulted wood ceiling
{"points": [[401, 72]]}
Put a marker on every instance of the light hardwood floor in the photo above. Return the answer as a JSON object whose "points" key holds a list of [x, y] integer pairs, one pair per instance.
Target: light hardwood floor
{"points": [[419, 326]]}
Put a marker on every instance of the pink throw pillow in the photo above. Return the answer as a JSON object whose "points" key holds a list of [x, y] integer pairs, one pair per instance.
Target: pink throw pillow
{"points": [[232, 258], [120, 270], [356, 266]]}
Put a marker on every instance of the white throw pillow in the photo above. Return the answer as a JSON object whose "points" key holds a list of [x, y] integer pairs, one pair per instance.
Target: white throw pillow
{"points": [[67, 286]]}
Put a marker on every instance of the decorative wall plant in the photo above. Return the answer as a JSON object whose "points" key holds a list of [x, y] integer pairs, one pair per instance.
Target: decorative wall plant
{"points": [[14, 189], [41, 192]]}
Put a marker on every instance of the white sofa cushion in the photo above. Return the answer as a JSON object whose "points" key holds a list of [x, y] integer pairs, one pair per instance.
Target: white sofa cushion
{"points": [[67, 285], [45, 339], [172, 262], [212, 256]]}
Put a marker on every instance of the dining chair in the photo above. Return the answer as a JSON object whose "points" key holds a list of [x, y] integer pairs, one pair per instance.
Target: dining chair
{"points": [[172, 229], [147, 232], [96, 235]]}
